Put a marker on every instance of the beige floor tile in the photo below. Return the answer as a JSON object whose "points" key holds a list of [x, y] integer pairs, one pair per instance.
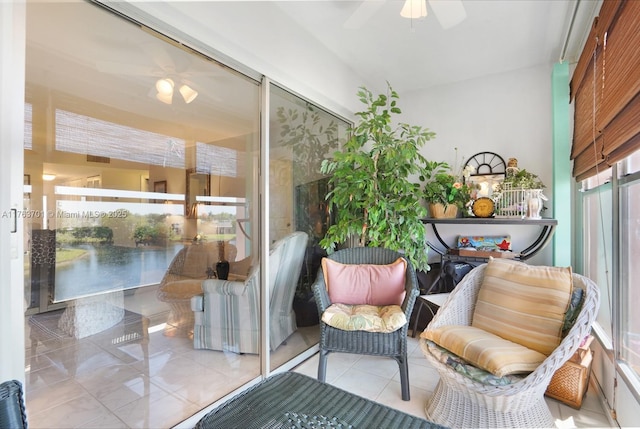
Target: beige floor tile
{"points": [[361, 383], [378, 365], [423, 377], [165, 412], [309, 367], [109, 421], [391, 396], [70, 414], [50, 396], [117, 394]]}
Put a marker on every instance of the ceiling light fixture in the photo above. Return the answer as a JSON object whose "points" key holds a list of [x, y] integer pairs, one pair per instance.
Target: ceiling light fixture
{"points": [[188, 94], [165, 88], [414, 9], [48, 177]]}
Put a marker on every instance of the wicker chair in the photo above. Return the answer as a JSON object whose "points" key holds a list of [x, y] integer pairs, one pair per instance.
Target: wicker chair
{"points": [[393, 344], [12, 411], [461, 402]]}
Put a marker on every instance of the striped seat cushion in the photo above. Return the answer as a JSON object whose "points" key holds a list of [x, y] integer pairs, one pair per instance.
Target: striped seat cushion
{"points": [[485, 350], [523, 303]]}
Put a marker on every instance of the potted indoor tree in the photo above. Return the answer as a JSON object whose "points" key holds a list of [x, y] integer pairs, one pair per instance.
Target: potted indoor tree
{"points": [[372, 196]]}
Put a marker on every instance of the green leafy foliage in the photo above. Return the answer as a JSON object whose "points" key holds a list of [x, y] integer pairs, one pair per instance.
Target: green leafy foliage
{"points": [[522, 179], [310, 137], [371, 193], [442, 186]]}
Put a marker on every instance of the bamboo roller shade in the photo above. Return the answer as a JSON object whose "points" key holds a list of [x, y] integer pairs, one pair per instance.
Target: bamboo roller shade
{"points": [[610, 90]]}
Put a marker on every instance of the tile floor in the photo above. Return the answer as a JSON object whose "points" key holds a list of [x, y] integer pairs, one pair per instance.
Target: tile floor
{"points": [[162, 382], [378, 379], [120, 378]]}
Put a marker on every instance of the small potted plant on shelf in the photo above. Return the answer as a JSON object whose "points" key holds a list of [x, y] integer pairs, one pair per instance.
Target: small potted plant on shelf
{"points": [[520, 179], [446, 193], [372, 196], [520, 194]]}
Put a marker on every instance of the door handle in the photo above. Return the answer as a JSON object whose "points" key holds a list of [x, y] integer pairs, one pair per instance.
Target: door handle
{"points": [[14, 213]]}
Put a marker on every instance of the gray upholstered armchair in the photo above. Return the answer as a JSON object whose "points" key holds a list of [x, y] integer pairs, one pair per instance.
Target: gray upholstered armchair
{"points": [[392, 344], [227, 313]]}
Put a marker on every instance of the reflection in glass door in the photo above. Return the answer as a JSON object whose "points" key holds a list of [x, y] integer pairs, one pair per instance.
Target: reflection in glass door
{"points": [[140, 160], [301, 136]]}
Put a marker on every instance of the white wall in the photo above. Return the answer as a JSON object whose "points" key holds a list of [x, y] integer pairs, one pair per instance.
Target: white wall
{"points": [[12, 302], [509, 114]]}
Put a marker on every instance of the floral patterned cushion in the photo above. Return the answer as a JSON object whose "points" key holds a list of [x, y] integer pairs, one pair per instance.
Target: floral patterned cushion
{"points": [[465, 368], [368, 318]]}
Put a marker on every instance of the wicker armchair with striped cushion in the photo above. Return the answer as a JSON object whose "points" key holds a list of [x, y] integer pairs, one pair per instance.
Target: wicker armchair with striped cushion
{"points": [[515, 400], [392, 344]]}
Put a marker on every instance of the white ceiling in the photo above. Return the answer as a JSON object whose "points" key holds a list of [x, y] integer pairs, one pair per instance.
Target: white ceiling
{"points": [[496, 36]]}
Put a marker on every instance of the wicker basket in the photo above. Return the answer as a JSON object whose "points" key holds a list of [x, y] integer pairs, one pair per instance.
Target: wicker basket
{"points": [[569, 383]]}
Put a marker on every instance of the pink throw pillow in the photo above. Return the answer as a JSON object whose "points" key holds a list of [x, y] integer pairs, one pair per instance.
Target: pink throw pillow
{"points": [[365, 283]]}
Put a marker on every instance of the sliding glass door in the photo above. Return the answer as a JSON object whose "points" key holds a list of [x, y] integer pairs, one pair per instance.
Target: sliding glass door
{"points": [[139, 160], [301, 136]]}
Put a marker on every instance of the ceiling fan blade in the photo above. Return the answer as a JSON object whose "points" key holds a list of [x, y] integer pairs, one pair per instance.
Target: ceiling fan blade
{"points": [[362, 14], [160, 56], [117, 68], [448, 12]]}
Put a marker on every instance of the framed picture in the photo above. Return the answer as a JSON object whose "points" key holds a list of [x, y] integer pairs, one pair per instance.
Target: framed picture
{"points": [[160, 187]]}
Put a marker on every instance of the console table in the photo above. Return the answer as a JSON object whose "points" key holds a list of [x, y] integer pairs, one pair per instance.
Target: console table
{"points": [[547, 228]]}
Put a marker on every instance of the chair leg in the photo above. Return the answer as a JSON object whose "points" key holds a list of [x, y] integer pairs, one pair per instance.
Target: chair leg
{"points": [[415, 322], [322, 365], [403, 363]]}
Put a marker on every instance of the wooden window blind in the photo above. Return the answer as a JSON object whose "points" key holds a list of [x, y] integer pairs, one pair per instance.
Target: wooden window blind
{"points": [[606, 86]]}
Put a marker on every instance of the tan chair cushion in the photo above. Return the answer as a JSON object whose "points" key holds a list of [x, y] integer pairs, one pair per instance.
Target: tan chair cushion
{"points": [[370, 284], [368, 318], [524, 303], [182, 289], [196, 261], [485, 350]]}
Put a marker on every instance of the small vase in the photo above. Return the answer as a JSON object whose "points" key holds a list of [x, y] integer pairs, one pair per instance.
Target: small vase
{"points": [[534, 204], [438, 211], [222, 266], [222, 270]]}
